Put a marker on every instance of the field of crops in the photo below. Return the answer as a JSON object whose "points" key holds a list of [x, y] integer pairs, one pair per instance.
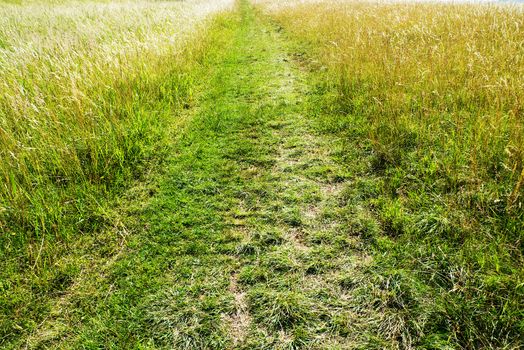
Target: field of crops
{"points": [[220, 174]]}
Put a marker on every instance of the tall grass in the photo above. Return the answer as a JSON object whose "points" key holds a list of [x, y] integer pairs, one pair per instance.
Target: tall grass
{"points": [[89, 93], [436, 91], [75, 77]]}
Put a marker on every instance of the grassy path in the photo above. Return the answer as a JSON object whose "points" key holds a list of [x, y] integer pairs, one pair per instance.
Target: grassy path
{"points": [[243, 243]]}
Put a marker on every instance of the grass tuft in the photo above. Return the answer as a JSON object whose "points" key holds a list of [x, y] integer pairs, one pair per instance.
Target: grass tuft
{"points": [[279, 309]]}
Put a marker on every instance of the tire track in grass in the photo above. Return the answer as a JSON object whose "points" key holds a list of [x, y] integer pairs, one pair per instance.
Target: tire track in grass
{"points": [[244, 244], [297, 250], [240, 320]]}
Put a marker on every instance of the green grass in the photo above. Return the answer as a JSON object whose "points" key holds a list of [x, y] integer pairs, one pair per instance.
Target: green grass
{"points": [[59, 215], [237, 242], [255, 214], [83, 114], [436, 178]]}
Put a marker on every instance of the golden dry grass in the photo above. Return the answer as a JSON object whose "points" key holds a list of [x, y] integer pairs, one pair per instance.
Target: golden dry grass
{"points": [[434, 94], [453, 74]]}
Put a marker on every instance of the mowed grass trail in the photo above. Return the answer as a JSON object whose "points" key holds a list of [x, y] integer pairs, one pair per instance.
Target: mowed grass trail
{"points": [[238, 244], [262, 222]]}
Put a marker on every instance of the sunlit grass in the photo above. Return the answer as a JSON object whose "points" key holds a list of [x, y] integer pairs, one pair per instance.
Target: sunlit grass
{"points": [[450, 76], [75, 79], [90, 97], [433, 93]]}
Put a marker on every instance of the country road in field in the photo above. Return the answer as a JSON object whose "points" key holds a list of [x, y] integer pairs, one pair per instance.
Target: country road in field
{"points": [[242, 244]]}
